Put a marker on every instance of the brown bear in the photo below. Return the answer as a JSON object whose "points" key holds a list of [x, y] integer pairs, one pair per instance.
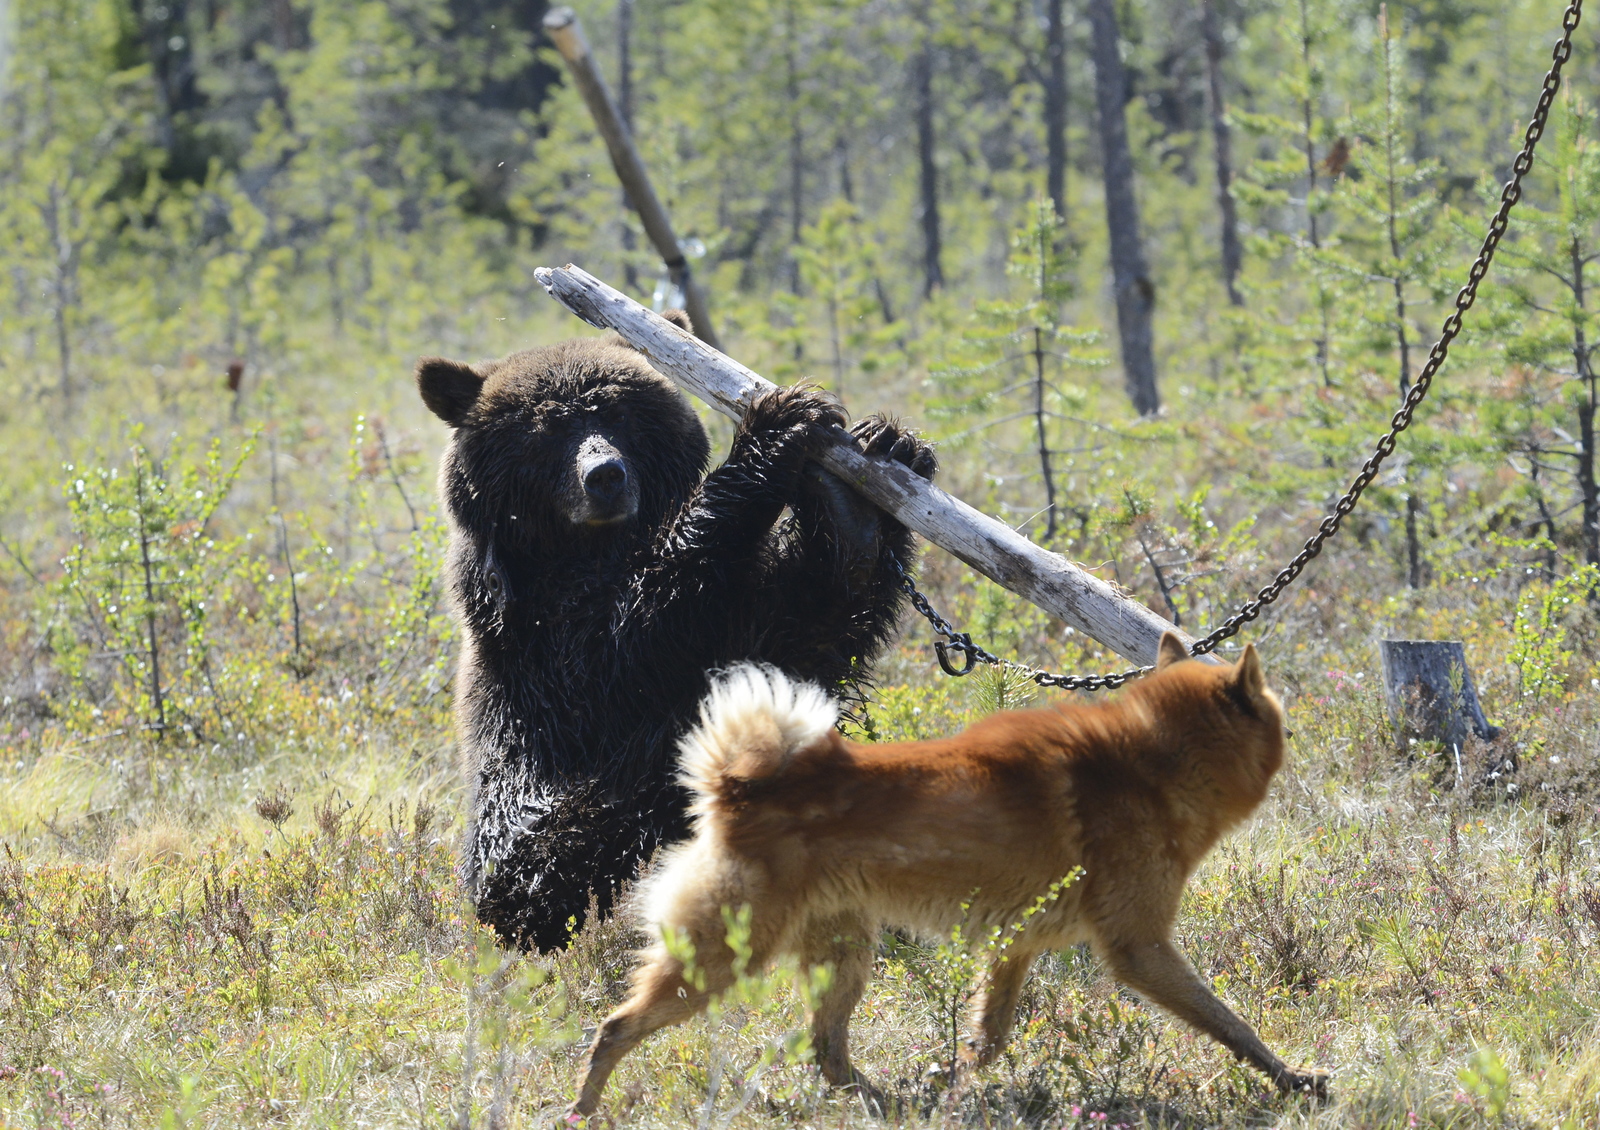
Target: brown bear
{"points": [[599, 576]]}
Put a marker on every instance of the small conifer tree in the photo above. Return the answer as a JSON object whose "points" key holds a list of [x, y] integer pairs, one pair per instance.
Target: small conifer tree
{"points": [[1391, 260], [839, 269], [1015, 354], [1548, 421]]}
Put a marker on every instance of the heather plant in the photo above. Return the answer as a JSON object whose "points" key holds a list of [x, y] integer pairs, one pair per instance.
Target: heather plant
{"points": [[949, 971]]}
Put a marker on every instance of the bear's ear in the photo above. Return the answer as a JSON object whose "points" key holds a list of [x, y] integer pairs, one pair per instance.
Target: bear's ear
{"points": [[449, 388], [1171, 651], [679, 318]]}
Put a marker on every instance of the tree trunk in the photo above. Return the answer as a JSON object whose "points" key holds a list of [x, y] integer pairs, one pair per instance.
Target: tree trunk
{"points": [[1044, 445], [1586, 406], [797, 157], [1055, 105], [625, 62], [1309, 144], [158, 704], [993, 548], [922, 82], [1135, 292], [1413, 544], [630, 271], [1308, 136], [1586, 481], [1431, 696], [841, 145], [1222, 147], [283, 25], [64, 288]]}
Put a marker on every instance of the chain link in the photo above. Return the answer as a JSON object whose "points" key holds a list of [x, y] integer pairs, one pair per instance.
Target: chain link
{"points": [[961, 642], [1509, 195]]}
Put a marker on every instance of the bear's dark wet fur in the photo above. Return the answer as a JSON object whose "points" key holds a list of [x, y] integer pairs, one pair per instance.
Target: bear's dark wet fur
{"points": [[598, 578]]}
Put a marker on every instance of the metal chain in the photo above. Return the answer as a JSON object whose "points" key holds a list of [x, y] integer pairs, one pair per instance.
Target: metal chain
{"points": [[962, 642], [1509, 195]]}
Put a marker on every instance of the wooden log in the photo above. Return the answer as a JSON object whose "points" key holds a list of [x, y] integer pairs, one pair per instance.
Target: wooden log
{"points": [[562, 25], [1430, 694], [1092, 606]]}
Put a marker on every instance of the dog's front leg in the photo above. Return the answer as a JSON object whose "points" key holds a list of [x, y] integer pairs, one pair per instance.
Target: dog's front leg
{"points": [[1155, 969]]}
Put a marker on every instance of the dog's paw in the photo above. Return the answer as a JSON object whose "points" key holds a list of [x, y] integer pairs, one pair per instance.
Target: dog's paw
{"points": [[889, 439], [875, 1100], [1309, 1081], [798, 414]]}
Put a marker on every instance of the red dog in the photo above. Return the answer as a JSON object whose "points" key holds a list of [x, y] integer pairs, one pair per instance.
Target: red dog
{"points": [[827, 841]]}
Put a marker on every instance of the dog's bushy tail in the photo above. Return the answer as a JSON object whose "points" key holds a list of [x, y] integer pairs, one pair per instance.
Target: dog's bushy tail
{"points": [[754, 720]]}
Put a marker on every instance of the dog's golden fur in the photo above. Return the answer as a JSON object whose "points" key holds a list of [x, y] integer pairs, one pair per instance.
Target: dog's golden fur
{"points": [[827, 841]]}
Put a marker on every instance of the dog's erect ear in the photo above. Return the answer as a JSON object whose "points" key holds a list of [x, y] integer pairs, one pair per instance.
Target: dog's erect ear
{"points": [[1171, 651], [448, 387], [1248, 672]]}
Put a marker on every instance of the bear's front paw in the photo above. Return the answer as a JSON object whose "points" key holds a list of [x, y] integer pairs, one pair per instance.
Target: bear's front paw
{"points": [[889, 439], [799, 414]]}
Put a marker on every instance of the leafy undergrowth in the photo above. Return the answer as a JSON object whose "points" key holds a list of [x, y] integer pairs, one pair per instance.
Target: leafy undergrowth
{"points": [[203, 950]]}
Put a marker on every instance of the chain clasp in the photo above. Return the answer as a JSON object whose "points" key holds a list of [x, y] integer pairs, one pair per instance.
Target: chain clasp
{"points": [[962, 643]]}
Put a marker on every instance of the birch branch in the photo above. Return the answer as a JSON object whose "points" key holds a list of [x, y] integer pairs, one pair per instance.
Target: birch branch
{"points": [[1099, 610]]}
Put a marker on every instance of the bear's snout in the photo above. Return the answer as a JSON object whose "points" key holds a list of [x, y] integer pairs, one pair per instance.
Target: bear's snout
{"points": [[606, 480], [608, 493]]}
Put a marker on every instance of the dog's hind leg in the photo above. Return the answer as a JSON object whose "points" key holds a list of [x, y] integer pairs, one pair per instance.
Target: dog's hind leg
{"points": [[847, 943], [661, 996], [1154, 967], [995, 1011]]}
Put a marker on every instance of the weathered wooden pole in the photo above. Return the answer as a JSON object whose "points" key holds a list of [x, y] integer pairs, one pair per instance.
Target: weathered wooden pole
{"points": [[562, 25], [1099, 610]]}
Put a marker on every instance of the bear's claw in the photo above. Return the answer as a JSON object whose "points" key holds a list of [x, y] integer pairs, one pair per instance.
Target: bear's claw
{"points": [[798, 413], [888, 439]]}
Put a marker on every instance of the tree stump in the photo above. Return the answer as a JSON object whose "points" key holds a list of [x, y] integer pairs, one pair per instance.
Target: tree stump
{"points": [[1430, 694]]}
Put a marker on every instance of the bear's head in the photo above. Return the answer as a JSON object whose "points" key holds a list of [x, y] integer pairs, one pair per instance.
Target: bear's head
{"points": [[577, 448]]}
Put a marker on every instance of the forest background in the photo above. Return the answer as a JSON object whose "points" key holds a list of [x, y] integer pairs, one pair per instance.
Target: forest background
{"points": [[227, 231]]}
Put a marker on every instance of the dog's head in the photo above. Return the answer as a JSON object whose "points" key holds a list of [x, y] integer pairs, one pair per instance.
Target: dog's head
{"points": [[1223, 719]]}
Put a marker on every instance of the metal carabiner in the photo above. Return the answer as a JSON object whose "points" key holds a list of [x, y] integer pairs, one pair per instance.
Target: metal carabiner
{"points": [[962, 643]]}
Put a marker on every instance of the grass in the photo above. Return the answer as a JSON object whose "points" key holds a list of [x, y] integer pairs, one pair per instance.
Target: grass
{"points": [[251, 918], [224, 944]]}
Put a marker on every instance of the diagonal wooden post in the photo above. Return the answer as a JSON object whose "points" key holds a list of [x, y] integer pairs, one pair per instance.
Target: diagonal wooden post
{"points": [[1099, 610], [562, 25]]}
